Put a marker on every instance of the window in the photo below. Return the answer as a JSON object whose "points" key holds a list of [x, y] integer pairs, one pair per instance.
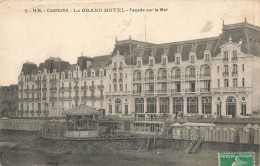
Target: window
{"points": [[179, 49], [225, 82], [139, 105], [234, 68], [225, 68], [243, 82], [243, 67], [243, 109], [115, 65], [125, 75], [125, 87], [115, 88], [110, 87], [126, 109], [226, 55], [177, 104], [139, 63], [164, 105], [110, 109], [101, 73], [192, 59], [92, 74], [110, 76], [178, 60], [151, 105], [164, 61], [192, 105], [234, 55], [218, 69], [121, 87], [151, 87], [206, 105], [151, 62], [120, 64], [206, 57], [234, 82], [118, 106]]}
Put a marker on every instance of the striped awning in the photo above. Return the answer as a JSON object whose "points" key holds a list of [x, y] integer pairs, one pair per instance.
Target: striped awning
{"points": [[81, 110]]}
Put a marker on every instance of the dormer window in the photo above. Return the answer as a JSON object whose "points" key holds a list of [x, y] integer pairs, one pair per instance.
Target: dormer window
{"points": [[192, 59], [151, 62], [206, 57], [54, 70], [153, 51], [166, 50], [164, 61], [177, 60], [62, 76], [39, 72], [101, 73], [69, 75], [138, 63], [179, 49], [209, 46], [77, 68], [92, 74], [194, 47], [141, 53]]}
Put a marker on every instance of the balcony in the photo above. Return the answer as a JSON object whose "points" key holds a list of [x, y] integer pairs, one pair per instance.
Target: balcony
{"points": [[205, 75], [53, 80], [204, 89], [175, 90], [100, 87], [176, 76], [234, 73], [84, 87], [53, 88], [76, 87], [225, 73], [114, 80], [65, 98], [136, 92], [149, 91], [162, 77], [225, 59], [190, 76], [137, 79], [234, 58], [190, 90], [120, 79], [53, 98], [162, 90], [120, 68], [92, 87], [149, 78]]}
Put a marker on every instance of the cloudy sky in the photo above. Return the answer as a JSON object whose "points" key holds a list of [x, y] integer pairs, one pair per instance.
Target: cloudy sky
{"points": [[34, 37]]}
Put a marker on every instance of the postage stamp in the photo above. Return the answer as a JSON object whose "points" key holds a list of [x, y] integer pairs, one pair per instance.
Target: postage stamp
{"points": [[236, 159]]}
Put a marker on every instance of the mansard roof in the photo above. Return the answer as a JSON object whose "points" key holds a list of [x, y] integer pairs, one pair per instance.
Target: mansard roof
{"points": [[28, 68]]}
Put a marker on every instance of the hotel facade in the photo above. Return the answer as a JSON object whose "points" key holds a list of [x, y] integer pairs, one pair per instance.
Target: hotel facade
{"points": [[212, 76]]}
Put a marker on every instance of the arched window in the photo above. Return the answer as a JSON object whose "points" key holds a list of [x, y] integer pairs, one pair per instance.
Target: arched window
{"points": [[231, 106], [139, 105], [162, 74], [178, 73], [192, 105], [137, 75], [207, 71], [226, 68], [192, 72], [206, 105], [151, 105], [164, 105], [118, 106], [151, 75], [177, 104]]}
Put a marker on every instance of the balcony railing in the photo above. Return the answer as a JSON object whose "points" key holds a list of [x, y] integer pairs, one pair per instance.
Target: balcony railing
{"points": [[225, 73], [204, 89], [84, 87], [65, 98], [136, 92], [38, 89], [176, 76], [137, 79], [92, 87], [66, 88], [162, 77], [175, 90], [207, 60], [76, 98], [149, 78], [76, 78], [190, 76], [234, 73], [53, 80], [149, 91], [120, 68], [53, 88], [44, 98], [84, 97], [114, 80], [205, 75], [44, 80], [120, 79], [44, 89], [190, 90], [177, 62], [37, 81], [234, 58], [162, 90], [225, 59], [37, 98], [114, 69], [53, 98], [100, 87]]}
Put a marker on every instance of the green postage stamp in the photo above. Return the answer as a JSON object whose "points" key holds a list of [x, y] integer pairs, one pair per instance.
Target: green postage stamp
{"points": [[236, 159]]}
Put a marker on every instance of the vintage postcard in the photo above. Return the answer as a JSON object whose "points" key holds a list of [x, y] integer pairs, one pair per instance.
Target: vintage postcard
{"points": [[130, 82]]}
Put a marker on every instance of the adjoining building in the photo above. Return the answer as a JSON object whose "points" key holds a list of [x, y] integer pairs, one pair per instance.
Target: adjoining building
{"points": [[211, 76], [8, 100]]}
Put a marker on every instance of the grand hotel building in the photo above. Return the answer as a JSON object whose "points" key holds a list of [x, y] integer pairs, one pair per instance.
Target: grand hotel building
{"points": [[217, 76]]}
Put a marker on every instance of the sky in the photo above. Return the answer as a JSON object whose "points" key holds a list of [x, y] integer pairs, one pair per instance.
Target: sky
{"points": [[34, 37]]}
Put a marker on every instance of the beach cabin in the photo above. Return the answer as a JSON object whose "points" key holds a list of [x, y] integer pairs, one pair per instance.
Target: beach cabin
{"points": [[82, 121], [176, 130], [198, 128], [147, 127]]}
